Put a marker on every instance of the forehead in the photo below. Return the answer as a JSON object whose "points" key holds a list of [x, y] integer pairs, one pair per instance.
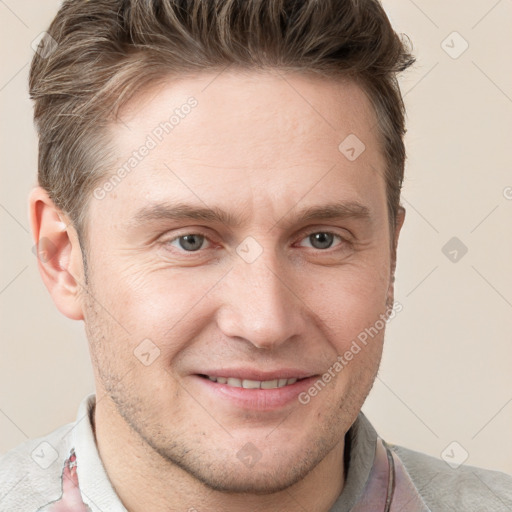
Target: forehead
{"points": [[246, 137], [249, 107]]}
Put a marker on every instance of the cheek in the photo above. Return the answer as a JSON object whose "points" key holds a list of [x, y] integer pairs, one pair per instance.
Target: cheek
{"points": [[162, 304], [351, 295], [350, 303]]}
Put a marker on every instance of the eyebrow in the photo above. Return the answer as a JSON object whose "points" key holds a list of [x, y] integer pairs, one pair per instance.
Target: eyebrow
{"points": [[333, 211], [182, 211]]}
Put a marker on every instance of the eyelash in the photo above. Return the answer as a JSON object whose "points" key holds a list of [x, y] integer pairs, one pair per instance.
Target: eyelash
{"points": [[342, 240]]}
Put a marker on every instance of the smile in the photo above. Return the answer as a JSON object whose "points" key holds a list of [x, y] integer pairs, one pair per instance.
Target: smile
{"points": [[252, 389], [253, 384]]}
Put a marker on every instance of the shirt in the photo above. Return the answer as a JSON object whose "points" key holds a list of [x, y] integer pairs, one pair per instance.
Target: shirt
{"points": [[63, 472]]}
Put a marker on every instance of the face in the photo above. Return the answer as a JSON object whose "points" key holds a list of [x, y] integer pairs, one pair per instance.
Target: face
{"points": [[230, 265]]}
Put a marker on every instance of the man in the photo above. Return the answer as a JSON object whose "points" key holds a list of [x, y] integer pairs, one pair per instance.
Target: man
{"points": [[219, 202]]}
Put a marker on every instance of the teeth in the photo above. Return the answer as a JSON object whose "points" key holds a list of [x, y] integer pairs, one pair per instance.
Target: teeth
{"points": [[253, 384], [271, 384]]}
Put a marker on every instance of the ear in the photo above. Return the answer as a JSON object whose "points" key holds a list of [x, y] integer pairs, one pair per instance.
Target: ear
{"points": [[400, 218], [59, 256]]}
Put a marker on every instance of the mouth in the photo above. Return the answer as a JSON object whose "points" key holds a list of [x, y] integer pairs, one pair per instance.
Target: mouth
{"points": [[244, 389], [235, 382]]}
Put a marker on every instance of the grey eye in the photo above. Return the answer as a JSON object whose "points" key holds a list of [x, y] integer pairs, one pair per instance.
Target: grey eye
{"points": [[321, 240], [190, 242]]}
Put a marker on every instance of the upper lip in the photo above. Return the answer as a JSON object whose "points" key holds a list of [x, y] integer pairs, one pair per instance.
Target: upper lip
{"points": [[259, 375]]}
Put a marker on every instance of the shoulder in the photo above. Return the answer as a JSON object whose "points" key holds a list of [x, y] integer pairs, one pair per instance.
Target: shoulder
{"points": [[31, 473], [465, 488]]}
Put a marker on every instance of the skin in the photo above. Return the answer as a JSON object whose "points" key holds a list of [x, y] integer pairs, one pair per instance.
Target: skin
{"points": [[261, 146]]}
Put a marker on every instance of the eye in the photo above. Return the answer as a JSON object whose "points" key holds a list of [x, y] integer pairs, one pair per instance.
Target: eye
{"points": [[191, 242], [321, 239]]}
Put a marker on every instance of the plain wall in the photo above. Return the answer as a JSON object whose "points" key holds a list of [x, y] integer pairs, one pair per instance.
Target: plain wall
{"points": [[445, 374]]}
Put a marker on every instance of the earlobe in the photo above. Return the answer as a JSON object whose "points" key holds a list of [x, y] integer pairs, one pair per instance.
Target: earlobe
{"points": [[58, 252], [400, 218]]}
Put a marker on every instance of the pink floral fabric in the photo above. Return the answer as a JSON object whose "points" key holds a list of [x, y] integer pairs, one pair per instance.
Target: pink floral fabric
{"points": [[71, 499]]}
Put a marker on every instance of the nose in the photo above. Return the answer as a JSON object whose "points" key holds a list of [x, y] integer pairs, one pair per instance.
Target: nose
{"points": [[261, 305]]}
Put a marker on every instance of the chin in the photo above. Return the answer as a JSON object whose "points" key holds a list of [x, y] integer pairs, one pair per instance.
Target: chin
{"points": [[257, 480], [246, 470]]}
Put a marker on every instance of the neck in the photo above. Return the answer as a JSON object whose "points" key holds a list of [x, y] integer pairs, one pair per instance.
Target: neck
{"points": [[143, 479]]}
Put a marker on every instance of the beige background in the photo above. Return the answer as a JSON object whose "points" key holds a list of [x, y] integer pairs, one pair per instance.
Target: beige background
{"points": [[446, 372]]}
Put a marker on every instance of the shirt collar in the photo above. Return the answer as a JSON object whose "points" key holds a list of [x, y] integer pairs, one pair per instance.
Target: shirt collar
{"points": [[360, 443], [95, 486], [367, 462]]}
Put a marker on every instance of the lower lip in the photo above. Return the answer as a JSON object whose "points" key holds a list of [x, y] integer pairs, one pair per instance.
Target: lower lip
{"points": [[256, 399]]}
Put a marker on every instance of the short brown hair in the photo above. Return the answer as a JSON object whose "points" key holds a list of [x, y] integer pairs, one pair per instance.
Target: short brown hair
{"points": [[105, 50]]}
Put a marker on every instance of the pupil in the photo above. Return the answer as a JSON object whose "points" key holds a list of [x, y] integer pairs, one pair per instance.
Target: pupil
{"points": [[191, 242], [321, 240]]}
